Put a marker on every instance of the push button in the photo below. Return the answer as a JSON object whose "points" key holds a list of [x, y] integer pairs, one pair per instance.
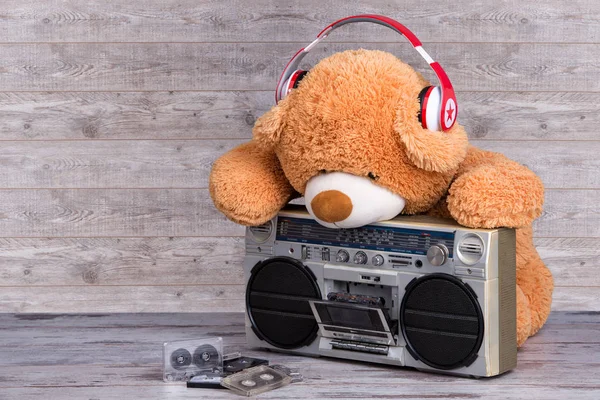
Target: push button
{"points": [[467, 271]]}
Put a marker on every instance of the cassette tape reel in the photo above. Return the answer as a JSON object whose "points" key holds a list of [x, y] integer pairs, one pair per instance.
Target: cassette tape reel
{"points": [[186, 358], [207, 357]]}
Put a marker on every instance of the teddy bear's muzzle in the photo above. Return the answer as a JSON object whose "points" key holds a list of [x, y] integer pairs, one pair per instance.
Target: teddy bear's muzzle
{"points": [[342, 200], [331, 206]]}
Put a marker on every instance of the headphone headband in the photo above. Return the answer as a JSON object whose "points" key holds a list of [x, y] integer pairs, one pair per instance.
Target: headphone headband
{"points": [[448, 98]]}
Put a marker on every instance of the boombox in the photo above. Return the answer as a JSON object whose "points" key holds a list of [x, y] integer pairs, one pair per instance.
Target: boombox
{"points": [[413, 291]]}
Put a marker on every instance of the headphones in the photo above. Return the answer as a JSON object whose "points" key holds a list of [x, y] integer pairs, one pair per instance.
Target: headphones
{"points": [[439, 107]]}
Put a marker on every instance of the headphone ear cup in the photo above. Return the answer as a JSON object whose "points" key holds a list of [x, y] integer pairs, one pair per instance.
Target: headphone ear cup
{"points": [[430, 100], [292, 82]]}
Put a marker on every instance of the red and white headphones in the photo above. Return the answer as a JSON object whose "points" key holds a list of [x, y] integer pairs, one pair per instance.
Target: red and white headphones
{"points": [[439, 107]]}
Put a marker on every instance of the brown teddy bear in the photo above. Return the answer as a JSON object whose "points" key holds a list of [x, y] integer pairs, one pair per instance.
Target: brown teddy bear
{"points": [[349, 140]]}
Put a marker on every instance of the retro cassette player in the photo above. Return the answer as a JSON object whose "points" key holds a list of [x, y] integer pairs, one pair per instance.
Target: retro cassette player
{"points": [[413, 291]]}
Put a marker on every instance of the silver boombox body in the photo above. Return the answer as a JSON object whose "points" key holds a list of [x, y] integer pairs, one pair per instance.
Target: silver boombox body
{"points": [[414, 291]]}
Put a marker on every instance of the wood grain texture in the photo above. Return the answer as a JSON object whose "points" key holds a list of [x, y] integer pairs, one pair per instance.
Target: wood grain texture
{"points": [[187, 163], [46, 262], [119, 356], [130, 115], [576, 299], [561, 328], [560, 164], [243, 21], [529, 116], [110, 164], [190, 212], [106, 299], [325, 390], [118, 212], [111, 114], [121, 261], [569, 213], [189, 298], [48, 116], [573, 261], [256, 66]]}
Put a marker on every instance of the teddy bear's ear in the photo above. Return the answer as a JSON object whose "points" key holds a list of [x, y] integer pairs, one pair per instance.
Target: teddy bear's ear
{"points": [[268, 127], [429, 150]]}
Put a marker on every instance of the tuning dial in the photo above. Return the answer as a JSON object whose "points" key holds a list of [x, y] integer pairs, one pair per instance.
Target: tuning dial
{"points": [[437, 255], [378, 260], [342, 256], [360, 257]]}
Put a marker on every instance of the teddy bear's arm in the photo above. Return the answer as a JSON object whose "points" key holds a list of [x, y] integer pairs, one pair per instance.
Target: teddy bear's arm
{"points": [[491, 191], [248, 185]]}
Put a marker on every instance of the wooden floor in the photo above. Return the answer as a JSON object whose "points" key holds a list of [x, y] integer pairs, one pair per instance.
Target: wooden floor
{"points": [[118, 356]]}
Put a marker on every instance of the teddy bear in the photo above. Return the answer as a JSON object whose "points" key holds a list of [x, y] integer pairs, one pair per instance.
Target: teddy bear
{"points": [[348, 139]]}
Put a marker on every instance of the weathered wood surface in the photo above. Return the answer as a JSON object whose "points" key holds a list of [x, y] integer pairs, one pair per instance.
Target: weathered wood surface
{"points": [[112, 113], [203, 260], [560, 164], [118, 212], [119, 356], [573, 261], [189, 298], [190, 212], [272, 20], [110, 164], [137, 115], [187, 163], [139, 298], [124, 261], [570, 213], [347, 389], [257, 66], [49, 116]]}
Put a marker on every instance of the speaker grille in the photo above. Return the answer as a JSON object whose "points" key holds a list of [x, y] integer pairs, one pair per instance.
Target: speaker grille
{"points": [[441, 321], [261, 233], [277, 302]]}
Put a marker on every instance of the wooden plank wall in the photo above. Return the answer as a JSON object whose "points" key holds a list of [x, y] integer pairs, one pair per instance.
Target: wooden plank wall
{"points": [[111, 114]]}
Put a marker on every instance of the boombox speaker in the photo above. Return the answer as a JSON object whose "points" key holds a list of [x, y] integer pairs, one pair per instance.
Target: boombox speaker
{"points": [[278, 309], [414, 291]]}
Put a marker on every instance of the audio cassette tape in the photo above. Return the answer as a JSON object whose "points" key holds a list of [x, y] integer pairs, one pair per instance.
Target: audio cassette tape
{"points": [[256, 380], [235, 365], [187, 358]]}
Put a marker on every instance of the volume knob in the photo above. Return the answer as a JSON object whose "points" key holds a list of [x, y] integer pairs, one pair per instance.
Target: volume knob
{"points": [[342, 256], [437, 255], [378, 260], [360, 258]]}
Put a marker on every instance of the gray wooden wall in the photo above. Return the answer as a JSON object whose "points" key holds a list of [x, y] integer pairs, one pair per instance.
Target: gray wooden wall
{"points": [[111, 114]]}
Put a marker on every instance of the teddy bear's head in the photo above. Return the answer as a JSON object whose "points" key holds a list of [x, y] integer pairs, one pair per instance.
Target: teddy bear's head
{"points": [[349, 139]]}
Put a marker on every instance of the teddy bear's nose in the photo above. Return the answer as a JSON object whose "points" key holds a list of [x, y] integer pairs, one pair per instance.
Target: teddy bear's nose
{"points": [[331, 206]]}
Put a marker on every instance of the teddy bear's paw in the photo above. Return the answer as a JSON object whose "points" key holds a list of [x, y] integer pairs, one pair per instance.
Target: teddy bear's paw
{"points": [[248, 186], [493, 196], [523, 318]]}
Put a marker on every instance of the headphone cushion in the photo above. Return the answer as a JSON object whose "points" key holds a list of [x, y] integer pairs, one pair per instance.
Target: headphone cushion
{"points": [[430, 107], [299, 77], [421, 97], [292, 82]]}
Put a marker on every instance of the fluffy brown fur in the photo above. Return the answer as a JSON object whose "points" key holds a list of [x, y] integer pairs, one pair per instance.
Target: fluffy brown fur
{"points": [[248, 185], [356, 112]]}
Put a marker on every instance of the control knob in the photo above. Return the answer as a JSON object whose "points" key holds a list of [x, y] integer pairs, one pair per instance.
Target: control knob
{"points": [[437, 254], [342, 256], [378, 260], [360, 257]]}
